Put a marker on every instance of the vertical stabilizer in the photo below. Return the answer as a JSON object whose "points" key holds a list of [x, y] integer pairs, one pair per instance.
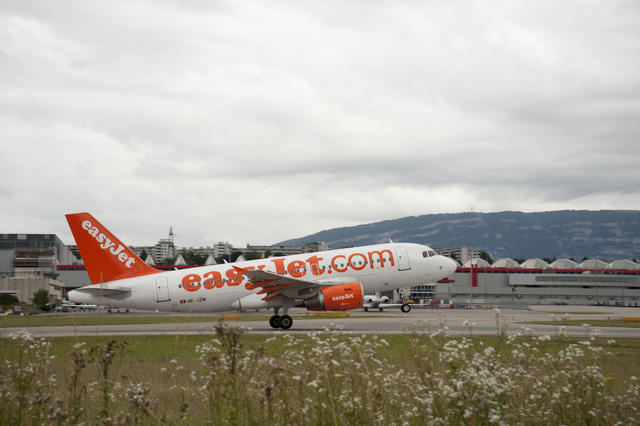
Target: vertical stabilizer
{"points": [[105, 256]]}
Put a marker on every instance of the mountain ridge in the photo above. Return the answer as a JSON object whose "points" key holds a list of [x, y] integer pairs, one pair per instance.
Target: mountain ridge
{"points": [[606, 234]]}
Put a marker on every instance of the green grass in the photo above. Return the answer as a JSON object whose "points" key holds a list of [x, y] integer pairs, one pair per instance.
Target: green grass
{"points": [[592, 323], [119, 319], [398, 350], [166, 347]]}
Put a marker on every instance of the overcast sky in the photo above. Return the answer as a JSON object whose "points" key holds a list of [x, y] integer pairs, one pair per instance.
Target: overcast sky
{"points": [[255, 122]]}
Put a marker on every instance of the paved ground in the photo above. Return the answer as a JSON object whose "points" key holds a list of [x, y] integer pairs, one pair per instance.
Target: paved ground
{"points": [[479, 322]]}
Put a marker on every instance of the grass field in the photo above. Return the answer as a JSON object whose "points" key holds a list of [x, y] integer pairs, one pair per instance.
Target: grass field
{"points": [[78, 320], [398, 350], [592, 323], [321, 378]]}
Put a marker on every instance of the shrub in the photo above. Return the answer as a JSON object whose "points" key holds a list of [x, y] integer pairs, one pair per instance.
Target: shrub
{"points": [[8, 301], [41, 299]]}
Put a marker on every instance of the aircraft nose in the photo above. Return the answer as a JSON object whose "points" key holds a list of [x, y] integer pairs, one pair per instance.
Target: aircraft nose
{"points": [[450, 265]]}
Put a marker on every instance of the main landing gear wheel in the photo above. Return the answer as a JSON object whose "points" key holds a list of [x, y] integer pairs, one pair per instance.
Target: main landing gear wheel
{"points": [[405, 308], [286, 322], [275, 321]]}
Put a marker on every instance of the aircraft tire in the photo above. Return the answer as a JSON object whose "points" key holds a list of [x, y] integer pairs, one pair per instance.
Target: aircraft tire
{"points": [[405, 308], [275, 321], [286, 322]]}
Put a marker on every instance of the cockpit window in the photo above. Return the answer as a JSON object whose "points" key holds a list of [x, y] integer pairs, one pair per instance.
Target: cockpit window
{"points": [[425, 254], [431, 253], [428, 253]]}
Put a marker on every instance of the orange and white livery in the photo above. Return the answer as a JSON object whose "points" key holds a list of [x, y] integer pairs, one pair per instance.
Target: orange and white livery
{"points": [[333, 280]]}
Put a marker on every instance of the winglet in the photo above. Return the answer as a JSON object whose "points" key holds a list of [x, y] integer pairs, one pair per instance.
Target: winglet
{"points": [[105, 256]]}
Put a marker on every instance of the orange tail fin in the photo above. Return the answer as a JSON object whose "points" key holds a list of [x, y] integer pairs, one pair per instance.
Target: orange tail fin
{"points": [[105, 257]]}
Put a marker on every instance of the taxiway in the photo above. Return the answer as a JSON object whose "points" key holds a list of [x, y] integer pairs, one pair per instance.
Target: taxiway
{"points": [[453, 322]]}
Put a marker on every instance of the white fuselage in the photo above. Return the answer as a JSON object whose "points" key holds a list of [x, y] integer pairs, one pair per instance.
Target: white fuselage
{"points": [[379, 267]]}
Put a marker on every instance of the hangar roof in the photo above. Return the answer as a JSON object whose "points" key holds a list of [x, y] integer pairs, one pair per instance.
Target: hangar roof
{"points": [[624, 264], [505, 262], [534, 263], [593, 264], [476, 261], [564, 264]]}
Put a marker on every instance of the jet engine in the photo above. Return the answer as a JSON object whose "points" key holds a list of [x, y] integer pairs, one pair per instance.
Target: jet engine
{"points": [[341, 297]]}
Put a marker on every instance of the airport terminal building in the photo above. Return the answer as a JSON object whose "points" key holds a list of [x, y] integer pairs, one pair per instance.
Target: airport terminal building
{"points": [[592, 282], [29, 262]]}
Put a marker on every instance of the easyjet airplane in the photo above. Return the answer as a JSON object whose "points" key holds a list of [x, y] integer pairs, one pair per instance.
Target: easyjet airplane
{"points": [[334, 280]]}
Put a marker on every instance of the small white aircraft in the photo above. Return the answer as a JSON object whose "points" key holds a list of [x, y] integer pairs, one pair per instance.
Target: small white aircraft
{"points": [[375, 302], [333, 280]]}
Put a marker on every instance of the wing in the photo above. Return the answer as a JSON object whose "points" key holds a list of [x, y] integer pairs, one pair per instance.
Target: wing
{"points": [[273, 285]]}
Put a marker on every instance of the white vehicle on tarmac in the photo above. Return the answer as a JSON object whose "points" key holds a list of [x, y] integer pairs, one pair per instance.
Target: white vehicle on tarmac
{"points": [[379, 303], [66, 306]]}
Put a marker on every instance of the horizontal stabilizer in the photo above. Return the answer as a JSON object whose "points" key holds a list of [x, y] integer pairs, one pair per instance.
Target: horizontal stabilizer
{"points": [[95, 290]]}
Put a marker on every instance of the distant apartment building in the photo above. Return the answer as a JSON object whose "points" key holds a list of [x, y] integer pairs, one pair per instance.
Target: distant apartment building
{"points": [[461, 254], [164, 249], [206, 251], [317, 246], [222, 249], [272, 250], [284, 250]]}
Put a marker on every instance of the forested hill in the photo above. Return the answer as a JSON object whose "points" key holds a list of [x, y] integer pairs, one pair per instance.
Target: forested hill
{"points": [[606, 234]]}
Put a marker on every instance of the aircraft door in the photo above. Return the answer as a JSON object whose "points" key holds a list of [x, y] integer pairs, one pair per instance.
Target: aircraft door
{"points": [[162, 289], [403, 259], [374, 264]]}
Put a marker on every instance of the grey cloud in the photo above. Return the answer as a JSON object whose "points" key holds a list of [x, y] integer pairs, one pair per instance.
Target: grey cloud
{"points": [[263, 121]]}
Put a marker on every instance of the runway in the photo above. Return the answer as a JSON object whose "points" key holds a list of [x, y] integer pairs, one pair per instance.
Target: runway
{"points": [[453, 322]]}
